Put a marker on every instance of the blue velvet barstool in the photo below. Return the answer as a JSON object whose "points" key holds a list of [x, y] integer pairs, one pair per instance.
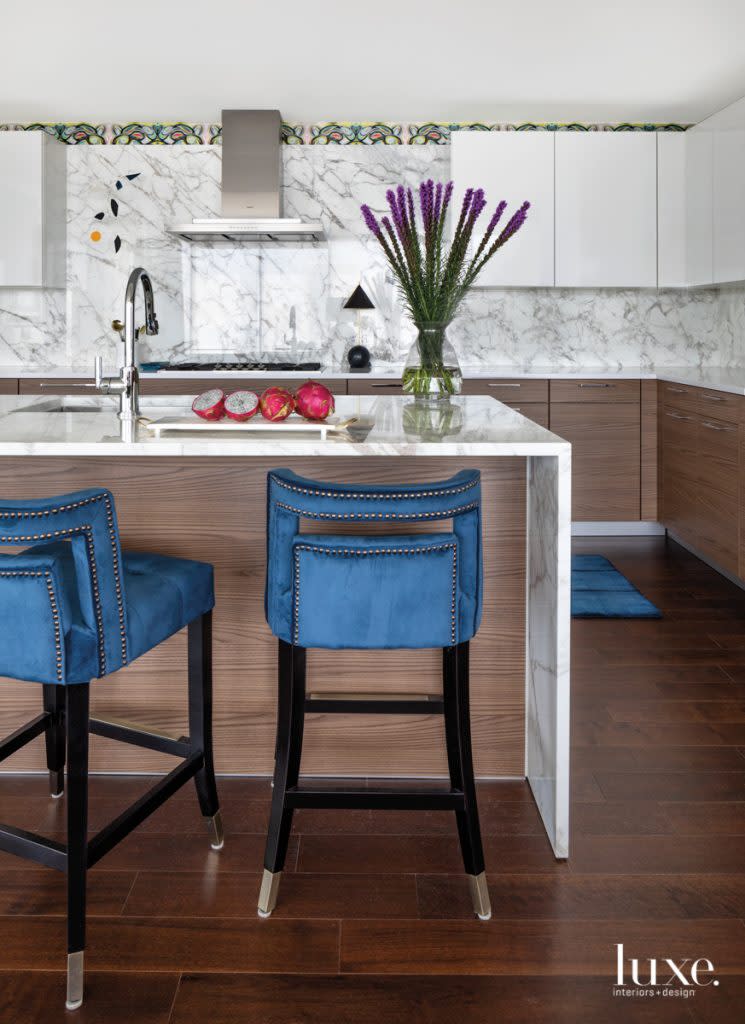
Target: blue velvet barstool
{"points": [[384, 591], [74, 607]]}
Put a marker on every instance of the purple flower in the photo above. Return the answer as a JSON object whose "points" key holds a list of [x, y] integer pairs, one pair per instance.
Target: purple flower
{"points": [[371, 220], [496, 216]]}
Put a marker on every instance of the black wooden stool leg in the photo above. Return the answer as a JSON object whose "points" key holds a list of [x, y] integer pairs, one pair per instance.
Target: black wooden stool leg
{"points": [[290, 721], [54, 737], [76, 720], [460, 762], [200, 721]]}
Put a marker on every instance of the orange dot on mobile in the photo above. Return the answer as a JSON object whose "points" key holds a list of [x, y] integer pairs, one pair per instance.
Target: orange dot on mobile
{"points": [[95, 236]]}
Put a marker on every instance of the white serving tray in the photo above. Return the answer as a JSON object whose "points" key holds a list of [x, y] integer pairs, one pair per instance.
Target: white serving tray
{"points": [[293, 424]]}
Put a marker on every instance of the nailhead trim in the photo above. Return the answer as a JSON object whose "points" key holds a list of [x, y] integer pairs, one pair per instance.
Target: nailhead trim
{"points": [[87, 530], [357, 552], [53, 605], [367, 496], [444, 514]]}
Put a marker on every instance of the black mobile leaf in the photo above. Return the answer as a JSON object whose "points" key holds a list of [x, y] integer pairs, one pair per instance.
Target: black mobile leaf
{"points": [[119, 186], [117, 244], [115, 207], [100, 216], [131, 177]]}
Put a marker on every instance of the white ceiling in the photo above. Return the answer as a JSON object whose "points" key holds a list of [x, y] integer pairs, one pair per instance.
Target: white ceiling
{"points": [[393, 60]]}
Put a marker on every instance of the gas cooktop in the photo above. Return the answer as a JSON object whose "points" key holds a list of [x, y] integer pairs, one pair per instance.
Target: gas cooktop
{"points": [[235, 365]]}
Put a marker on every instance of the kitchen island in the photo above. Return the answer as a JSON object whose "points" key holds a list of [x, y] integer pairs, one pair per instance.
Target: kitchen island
{"points": [[202, 495]]}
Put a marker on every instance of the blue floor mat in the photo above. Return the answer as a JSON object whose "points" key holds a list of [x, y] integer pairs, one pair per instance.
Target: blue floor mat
{"points": [[600, 591]]}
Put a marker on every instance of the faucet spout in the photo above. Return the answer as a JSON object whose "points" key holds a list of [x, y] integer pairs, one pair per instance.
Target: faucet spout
{"points": [[127, 386]]}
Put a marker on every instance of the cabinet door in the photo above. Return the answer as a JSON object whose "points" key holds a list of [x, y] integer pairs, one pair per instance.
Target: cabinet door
{"points": [[514, 166], [606, 458], [21, 209], [699, 184], [606, 209], [717, 466], [32, 210], [671, 210], [728, 193]]}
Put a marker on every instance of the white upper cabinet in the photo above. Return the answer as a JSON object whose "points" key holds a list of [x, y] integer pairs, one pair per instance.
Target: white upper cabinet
{"points": [[699, 205], [728, 192], [32, 210], [606, 209], [671, 210], [514, 166]]}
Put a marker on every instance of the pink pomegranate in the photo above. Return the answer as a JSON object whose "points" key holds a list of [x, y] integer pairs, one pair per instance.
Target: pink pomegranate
{"points": [[314, 401], [210, 405], [241, 405], [276, 404]]}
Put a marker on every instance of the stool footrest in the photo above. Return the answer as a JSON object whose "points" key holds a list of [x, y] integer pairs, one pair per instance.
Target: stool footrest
{"points": [[373, 705], [24, 735], [31, 846], [376, 799], [120, 827], [139, 736]]}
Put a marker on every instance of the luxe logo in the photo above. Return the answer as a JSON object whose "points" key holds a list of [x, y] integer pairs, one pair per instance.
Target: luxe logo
{"points": [[665, 976]]}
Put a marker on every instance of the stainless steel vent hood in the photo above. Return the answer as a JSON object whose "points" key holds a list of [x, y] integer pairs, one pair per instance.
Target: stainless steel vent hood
{"points": [[251, 186]]}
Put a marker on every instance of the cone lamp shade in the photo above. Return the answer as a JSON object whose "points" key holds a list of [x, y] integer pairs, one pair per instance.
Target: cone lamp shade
{"points": [[359, 299]]}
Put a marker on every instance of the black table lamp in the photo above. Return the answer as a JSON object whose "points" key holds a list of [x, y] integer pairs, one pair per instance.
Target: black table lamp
{"points": [[359, 300]]}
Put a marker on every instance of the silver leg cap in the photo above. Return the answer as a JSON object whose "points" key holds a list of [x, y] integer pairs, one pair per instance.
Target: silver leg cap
{"points": [[480, 896], [218, 836], [269, 891], [57, 784], [75, 974]]}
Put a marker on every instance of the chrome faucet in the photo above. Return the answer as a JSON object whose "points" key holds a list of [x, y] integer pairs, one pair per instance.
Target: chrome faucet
{"points": [[127, 384]]}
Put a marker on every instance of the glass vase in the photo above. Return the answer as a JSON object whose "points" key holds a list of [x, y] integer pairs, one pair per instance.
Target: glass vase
{"points": [[432, 372]]}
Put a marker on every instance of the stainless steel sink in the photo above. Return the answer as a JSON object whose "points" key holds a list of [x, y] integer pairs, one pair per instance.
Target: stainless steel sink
{"points": [[64, 403]]}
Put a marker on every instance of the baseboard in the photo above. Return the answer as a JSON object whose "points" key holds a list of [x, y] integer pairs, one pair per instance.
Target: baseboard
{"points": [[705, 558], [633, 529]]}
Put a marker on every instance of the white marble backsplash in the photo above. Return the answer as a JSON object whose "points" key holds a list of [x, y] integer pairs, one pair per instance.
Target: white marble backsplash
{"points": [[223, 297]]}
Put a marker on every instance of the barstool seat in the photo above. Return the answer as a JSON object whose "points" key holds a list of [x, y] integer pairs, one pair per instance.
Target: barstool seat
{"points": [[374, 591], [74, 607], [162, 595]]}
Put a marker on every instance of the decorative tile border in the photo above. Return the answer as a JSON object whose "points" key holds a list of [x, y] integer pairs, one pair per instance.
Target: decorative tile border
{"points": [[341, 133]]}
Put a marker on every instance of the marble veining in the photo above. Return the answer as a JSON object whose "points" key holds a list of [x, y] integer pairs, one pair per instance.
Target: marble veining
{"points": [[225, 297]]}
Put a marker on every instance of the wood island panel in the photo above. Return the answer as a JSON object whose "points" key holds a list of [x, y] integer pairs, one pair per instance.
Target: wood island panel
{"points": [[215, 510]]}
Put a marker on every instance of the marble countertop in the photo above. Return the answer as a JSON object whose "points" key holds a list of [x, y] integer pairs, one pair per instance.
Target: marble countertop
{"points": [[717, 378], [389, 426]]}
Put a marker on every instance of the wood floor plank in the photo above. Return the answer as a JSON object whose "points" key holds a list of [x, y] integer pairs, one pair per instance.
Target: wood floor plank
{"points": [[251, 999], [587, 896], [665, 855], [155, 944], [706, 819], [672, 785], [420, 854], [620, 818], [38, 997], [43, 891], [539, 947], [227, 895]]}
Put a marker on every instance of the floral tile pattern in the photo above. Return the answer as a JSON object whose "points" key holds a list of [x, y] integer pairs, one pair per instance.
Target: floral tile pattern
{"points": [[432, 133]]}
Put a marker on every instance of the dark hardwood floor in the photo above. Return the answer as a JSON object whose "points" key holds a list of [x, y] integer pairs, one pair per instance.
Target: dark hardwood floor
{"points": [[374, 923]]}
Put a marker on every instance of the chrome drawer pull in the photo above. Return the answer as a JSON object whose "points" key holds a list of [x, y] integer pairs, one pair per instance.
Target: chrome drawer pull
{"points": [[599, 385], [503, 385], [713, 426], [677, 416], [714, 398], [387, 385], [677, 391]]}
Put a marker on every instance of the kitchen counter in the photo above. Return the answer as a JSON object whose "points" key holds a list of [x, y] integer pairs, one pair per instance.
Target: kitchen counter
{"points": [[203, 496], [389, 425], [716, 378]]}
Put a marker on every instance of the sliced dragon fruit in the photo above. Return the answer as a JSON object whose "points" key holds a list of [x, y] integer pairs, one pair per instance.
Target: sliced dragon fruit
{"points": [[210, 405], [241, 405]]}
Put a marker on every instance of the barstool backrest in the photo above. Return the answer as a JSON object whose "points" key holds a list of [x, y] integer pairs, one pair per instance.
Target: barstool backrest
{"points": [[292, 498], [32, 594]]}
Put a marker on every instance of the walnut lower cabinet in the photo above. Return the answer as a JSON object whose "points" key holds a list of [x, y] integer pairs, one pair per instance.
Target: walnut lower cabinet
{"points": [[602, 420], [701, 471]]}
